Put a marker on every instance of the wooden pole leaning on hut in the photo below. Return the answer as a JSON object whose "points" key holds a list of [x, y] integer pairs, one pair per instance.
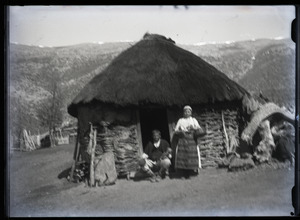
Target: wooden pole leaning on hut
{"points": [[93, 136], [75, 156], [225, 133]]}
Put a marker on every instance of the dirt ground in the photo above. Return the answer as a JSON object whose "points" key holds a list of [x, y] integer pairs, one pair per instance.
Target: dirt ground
{"points": [[38, 188]]}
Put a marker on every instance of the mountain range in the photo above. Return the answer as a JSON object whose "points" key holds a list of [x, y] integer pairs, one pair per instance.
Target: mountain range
{"points": [[265, 66]]}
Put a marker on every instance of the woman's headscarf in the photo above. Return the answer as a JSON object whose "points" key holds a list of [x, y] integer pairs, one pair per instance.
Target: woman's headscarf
{"points": [[187, 107]]}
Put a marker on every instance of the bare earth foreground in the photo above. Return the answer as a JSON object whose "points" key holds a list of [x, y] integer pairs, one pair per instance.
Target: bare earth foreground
{"points": [[38, 187]]}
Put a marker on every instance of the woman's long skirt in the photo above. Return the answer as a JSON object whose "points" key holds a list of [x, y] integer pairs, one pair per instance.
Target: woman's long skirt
{"points": [[187, 154]]}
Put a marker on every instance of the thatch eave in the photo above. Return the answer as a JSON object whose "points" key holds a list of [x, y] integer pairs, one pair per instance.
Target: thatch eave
{"points": [[72, 108]]}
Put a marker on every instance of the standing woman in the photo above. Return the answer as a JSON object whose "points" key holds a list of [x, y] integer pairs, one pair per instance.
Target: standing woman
{"points": [[187, 154]]}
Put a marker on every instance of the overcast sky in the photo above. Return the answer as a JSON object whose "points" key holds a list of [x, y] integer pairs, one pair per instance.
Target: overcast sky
{"points": [[68, 25]]}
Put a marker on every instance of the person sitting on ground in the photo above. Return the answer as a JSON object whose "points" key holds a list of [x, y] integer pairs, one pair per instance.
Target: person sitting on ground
{"points": [[155, 161]]}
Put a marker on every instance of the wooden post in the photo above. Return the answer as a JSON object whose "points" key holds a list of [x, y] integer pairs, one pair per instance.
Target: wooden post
{"points": [[60, 133], [75, 156], [92, 169], [225, 133], [139, 132], [170, 118]]}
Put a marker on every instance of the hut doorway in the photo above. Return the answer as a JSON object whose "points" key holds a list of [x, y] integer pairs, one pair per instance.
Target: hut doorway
{"points": [[153, 118]]}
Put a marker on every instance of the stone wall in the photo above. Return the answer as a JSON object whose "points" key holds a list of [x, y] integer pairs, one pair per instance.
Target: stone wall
{"points": [[213, 144], [124, 143], [121, 135]]}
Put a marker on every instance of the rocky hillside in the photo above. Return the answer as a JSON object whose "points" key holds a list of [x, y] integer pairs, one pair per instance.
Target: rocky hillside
{"points": [[273, 75], [30, 66], [264, 65]]}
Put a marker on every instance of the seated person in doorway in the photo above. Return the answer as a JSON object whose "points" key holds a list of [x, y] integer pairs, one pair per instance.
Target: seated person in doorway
{"points": [[155, 161]]}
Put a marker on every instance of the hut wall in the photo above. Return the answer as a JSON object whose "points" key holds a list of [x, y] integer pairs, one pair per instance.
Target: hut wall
{"points": [[213, 144], [121, 135]]}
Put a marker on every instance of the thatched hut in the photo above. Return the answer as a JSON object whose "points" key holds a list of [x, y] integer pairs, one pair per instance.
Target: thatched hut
{"points": [[145, 87]]}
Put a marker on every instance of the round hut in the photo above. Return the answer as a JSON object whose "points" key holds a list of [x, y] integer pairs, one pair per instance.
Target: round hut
{"points": [[145, 88]]}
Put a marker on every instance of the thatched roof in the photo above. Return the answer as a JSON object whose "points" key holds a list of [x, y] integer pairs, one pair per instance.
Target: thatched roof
{"points": [[156, 71]]}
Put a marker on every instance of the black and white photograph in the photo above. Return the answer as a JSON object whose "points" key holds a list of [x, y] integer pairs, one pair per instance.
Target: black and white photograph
{"points": [[159, 110]]}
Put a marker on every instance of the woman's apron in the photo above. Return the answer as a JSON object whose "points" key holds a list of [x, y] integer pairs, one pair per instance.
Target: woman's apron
{"points": [[187, 153]]}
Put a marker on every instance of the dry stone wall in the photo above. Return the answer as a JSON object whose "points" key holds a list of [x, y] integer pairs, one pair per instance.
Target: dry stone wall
{"points": [[213, 144], [120, 136]]}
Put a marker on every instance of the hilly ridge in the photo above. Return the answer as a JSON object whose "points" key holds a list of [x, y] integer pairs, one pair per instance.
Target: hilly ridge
{"points": [[273, 74], [264, 65]]}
